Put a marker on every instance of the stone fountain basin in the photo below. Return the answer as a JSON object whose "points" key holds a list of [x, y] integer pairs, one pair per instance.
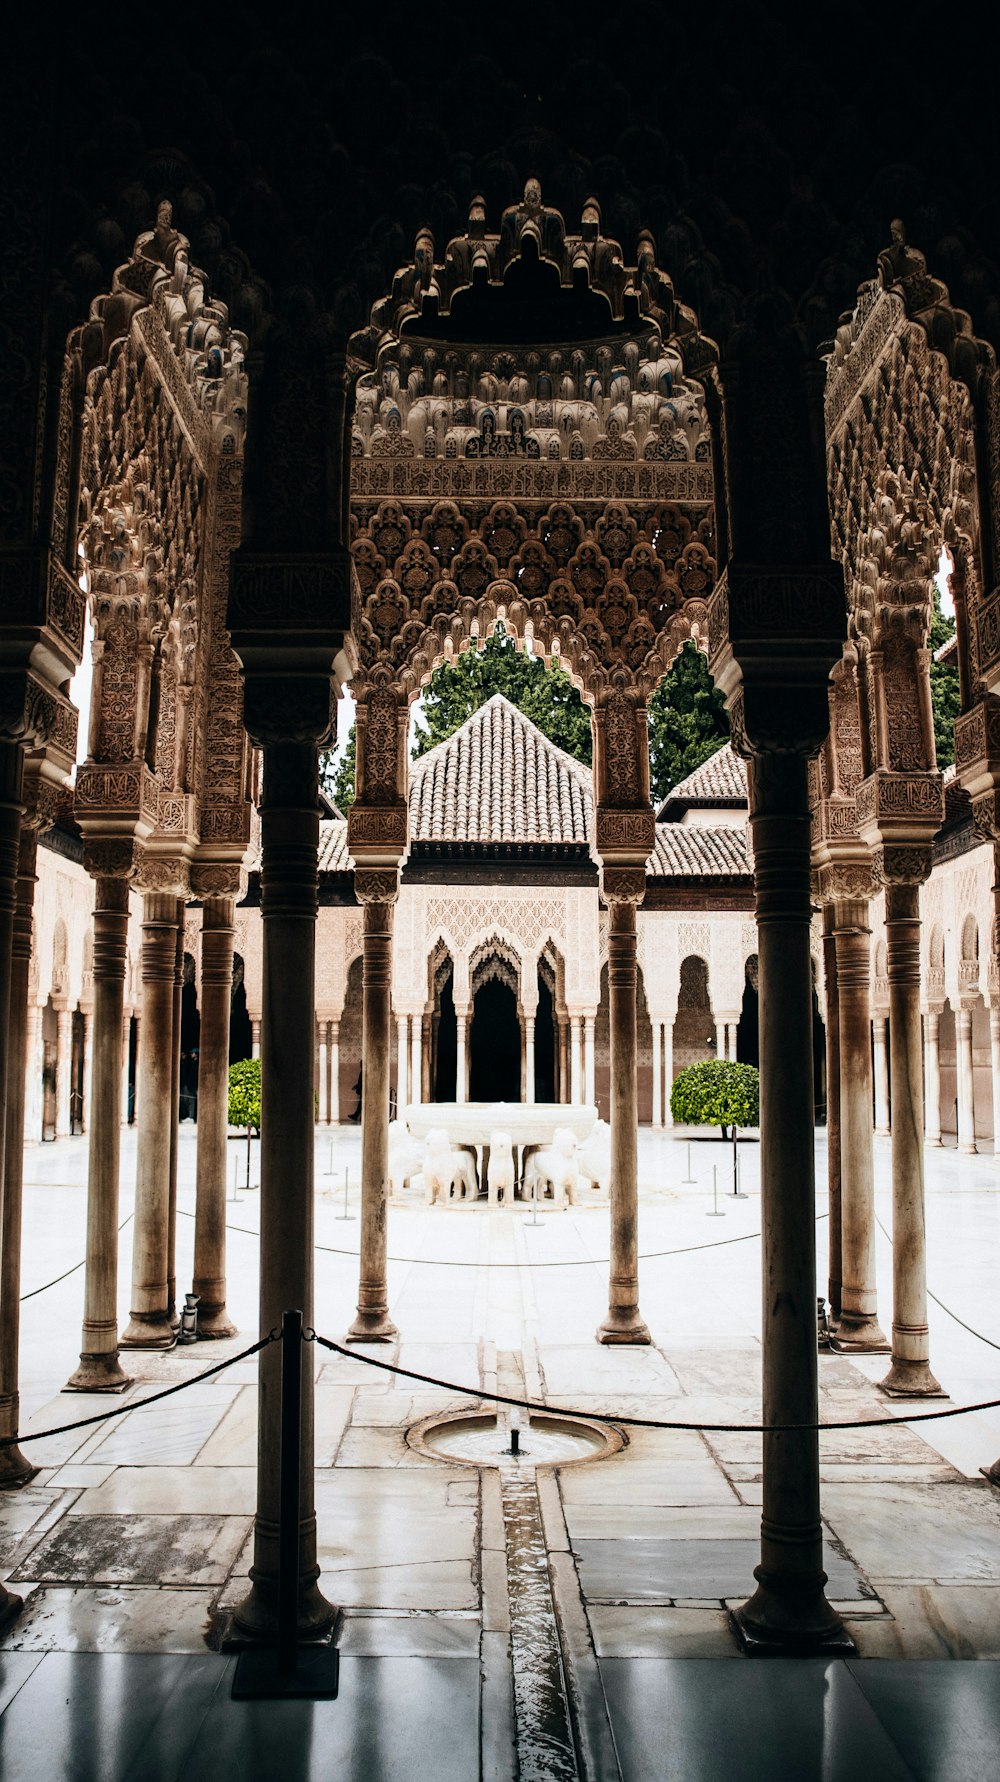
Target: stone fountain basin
{"points": [[481, 1439]]}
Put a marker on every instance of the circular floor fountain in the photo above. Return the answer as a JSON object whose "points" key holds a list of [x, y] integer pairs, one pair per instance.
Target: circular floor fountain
{"points": [[475, 1438]]}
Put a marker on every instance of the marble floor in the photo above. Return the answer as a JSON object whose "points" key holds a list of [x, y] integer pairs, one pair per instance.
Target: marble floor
{"points": [[131, 1544]]}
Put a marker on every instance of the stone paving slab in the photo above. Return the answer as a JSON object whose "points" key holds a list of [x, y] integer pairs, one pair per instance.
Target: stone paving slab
{"points": [[645, 1570], [134, 1549]]}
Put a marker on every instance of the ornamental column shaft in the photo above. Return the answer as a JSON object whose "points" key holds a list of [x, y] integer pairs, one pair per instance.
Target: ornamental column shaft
{"points": [[461, 1067], [623, 1323], [668, 1071], [377, 891], [209, 1277], [966, 1083], [99, 1369], [335, 1073], [909, 1374], [995, 1075], [881, 1075], [589, 1078], [289, 901], [33, 1075], [64, 1071], [657, 1077], [323, 1097], [858, 1327], [402, 1061], [789, 1601], [932, 1079], [416, 1057], [576, 1072], [833, 1093], [529, 1058], [175, 1114], [149, 1325], [126, 1034], [15, 1468]]}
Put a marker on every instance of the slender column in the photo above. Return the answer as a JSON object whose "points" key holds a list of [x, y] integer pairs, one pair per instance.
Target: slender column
{"points": [[126, 1035], [524, 1073], [149, 1324], [881, 1077], [859, 1327], [789, 1606], [377, 890], [15, 1468], [88, 1057], [425, 1060], [576, 1073], [589, 1088], [720, 1040], [33, 1076], [11, 781], [175, 1114], [461, 1070], [289, 901], [255, 1039], [64, 1057], [99, 1369], [416, 1057], [832, 1108], [529, 1058], [216, 990], [966, 1083], [668, 1071], [995, 1075], [335, 1073], [623, 1323], [932, 1080], [564, 1083], [657, 1076], [732, 1031], [909, 1375], [402, 1061], [323, 1099]]}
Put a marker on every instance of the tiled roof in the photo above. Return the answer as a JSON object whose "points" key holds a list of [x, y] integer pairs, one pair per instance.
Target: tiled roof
{"points": [[722, 779], [683, 852], [499, 780], [333, 855]]}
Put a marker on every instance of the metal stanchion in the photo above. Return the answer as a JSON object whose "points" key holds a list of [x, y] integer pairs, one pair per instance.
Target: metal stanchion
{"points": [[688, 1179], [329, 1167], [736, 1172], [285, 1668], [345, 1214], [716, 1212], [534, 1220]]}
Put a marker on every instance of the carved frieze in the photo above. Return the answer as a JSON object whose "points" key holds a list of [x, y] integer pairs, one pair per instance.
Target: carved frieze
{"points": [[631, 832]]}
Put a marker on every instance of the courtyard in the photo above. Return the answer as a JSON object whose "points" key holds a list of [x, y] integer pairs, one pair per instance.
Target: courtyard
{"points": [[134, 1538]]}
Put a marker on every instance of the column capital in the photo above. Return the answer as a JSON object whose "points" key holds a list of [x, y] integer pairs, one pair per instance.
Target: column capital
{"points": [[852, 879], [376, 885], [289, 708], [378, 834], [903, 864], [112, 857], [622, 885], [158, 872], [211, 880], [898, 816]]}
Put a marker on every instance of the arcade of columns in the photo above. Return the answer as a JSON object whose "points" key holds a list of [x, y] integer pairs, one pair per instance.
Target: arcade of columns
{"points": [[609, 498]]}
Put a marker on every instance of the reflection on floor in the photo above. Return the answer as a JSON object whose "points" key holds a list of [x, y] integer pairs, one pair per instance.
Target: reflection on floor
{"points": [[134, 1535]]}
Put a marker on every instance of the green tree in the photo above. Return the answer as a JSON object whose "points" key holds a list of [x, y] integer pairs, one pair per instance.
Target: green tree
{"points": [[687, 722], [244, 1094], [337, 777], [545, 695], [717, 1093], [945, 697]]}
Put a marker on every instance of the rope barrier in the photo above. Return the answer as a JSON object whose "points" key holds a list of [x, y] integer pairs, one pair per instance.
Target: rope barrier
{"points": [[940, 1302], [139, 1404], [544, 1410], [35, 1291]]}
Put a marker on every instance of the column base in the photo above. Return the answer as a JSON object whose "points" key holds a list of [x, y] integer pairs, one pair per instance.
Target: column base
{"points": [[10, 1607], [910, 1379], [934, 1144], [98, 1373], [859, 1336], [372, 1327], [154, 1331], [790, 1621], [623, 1324], [255, 1618], [15, 1470], [214, 1323], [968, 1151]]}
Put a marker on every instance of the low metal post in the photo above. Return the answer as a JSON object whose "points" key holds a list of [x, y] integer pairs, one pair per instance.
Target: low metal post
{"points": [[688, 1179]]}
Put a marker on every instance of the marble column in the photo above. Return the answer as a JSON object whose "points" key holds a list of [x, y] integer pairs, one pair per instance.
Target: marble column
{"points": [[426, 1077], [88, 1058], [33, 1077], [289, 900], [858, 1327], [932, 1079], [334, 1073], [149, 1325], [995, 1075], [64, 1070], [623, 1323], [215, 999], [125, 1039], [564, 1076], [99, 1369], [529, 1058], [461, 1046], [254, 1039], [15, 1468], [589, 1083], [11, 808], [966, 1083], [416, 1057], [668, 1071], [377, 891], [732, 1031], [576, 1072], [175, 1110], [657, 1077], [881, 1075], [720, 1040], [323, 1098], [832, 1109], [789, 1607], [402, 1062], [909, 1375]]}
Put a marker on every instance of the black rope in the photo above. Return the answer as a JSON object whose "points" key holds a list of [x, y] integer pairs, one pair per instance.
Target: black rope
{"points": [[527, 1404], [139, 1404], [940, 1302], [70, 1271]]}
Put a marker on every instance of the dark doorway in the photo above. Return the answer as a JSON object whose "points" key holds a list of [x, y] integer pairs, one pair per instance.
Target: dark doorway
{"points": [[190, 1041], [545, 1045], [446, 1043], [495, 1045], [748, 1031], [240, 1030]]}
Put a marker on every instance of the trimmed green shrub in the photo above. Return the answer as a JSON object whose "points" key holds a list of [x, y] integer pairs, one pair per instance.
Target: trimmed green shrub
{"points": [[244, 1094], [717, 1093]]}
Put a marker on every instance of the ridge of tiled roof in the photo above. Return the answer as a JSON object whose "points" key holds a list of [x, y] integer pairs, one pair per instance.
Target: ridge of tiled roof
{"points": [[499, 779], [698, 852], [721, 780]]}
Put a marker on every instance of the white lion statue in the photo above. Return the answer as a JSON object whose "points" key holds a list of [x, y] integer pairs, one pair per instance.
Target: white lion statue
{"points": [[593, 1159], [446, 1170], [500, 1169]]}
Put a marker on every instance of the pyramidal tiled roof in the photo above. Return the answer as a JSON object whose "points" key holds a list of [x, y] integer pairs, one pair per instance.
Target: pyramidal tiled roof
{"points": [[498, 779], [722, 779], [699, 852]]}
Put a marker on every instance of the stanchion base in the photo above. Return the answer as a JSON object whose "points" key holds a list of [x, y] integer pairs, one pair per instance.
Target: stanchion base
{"points": [[258, 1675], [831, 1642]]}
